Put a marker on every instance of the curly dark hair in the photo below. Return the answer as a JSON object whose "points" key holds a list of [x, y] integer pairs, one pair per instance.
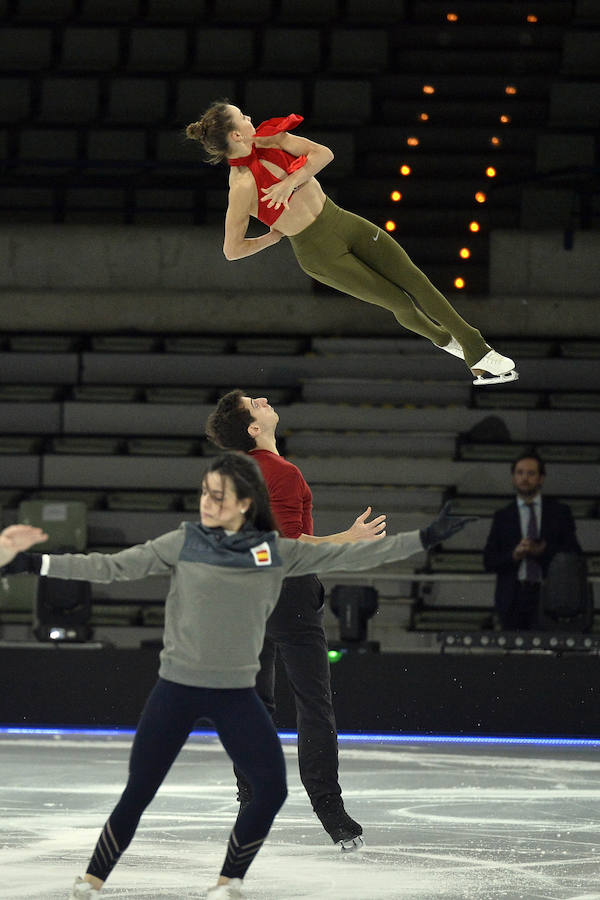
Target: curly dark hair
{"points": [[247, 481], [227, 425]]}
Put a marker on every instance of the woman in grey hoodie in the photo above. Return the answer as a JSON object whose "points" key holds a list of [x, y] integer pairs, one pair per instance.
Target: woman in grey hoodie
{"points": [[225, 574]]}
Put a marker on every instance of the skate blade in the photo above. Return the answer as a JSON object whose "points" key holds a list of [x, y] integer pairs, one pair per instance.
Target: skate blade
{"points": [[351, 845], [497, 379]]}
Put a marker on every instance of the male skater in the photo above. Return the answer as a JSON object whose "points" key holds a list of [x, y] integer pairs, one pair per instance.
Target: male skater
{"points": [[295, 627]]}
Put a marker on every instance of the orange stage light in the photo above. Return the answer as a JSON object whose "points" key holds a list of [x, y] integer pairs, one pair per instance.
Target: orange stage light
{"points": [[505, 120], [464, 253], [495, 141], [532, 18], [452, 17], [474, 226], [404, 170], [510, 89], [412, 141], [459, 283], [396, 196], [490, 172], [480, 197], [428, 89], [424, 117], [390, 225]]}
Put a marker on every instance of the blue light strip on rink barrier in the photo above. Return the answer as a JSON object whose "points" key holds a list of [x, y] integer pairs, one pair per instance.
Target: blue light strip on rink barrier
{"points": [[348, 738]]}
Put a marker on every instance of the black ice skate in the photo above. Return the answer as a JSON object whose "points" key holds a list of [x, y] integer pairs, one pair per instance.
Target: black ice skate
{"points": [[339, 826]]}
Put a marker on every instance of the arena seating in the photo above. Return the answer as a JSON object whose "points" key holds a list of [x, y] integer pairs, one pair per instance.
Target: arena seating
{"points": [[86, 418], [96, 96]]}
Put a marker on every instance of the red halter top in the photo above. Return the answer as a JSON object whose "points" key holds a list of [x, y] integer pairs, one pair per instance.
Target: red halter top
{"points": [[285, 161]]}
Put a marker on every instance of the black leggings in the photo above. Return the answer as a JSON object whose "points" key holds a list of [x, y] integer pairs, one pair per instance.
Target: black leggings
{"points": [[295, 634], [248, 736], [349, 253]]}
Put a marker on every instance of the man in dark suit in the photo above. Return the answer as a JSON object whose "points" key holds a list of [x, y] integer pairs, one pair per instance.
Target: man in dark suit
{"points": [[524, 537]]}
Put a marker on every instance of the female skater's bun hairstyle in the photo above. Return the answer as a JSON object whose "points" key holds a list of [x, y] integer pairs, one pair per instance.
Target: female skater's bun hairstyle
{"points": [[196, 131], [212, 131]]}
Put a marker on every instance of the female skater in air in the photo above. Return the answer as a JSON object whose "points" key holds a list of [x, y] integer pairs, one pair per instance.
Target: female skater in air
{"points": [[272, 178]]}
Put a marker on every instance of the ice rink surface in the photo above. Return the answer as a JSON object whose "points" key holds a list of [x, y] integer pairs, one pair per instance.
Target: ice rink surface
{"points": [[440, 821]]}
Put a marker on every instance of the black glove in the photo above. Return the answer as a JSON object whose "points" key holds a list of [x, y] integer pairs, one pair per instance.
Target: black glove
{"points": [[443, 527], [23, 564]]}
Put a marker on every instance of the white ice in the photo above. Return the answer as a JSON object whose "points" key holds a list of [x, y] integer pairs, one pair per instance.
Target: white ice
{"points": [[446, 822]]}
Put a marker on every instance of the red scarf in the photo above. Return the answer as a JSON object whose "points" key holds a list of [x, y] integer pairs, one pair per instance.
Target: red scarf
{"points": [[285, 161]]}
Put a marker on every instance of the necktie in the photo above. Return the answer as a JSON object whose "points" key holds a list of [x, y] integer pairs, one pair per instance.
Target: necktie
{"points": [[533, 570]]}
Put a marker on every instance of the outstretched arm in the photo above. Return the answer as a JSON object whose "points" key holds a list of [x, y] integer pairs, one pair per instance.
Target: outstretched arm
{"points": [[17, 538], [155, 557], [360, 530], [236, 245], [300, 559]]}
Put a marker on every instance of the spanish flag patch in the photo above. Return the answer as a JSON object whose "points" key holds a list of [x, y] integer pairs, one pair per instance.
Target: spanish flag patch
{"points": [[261, 554]]}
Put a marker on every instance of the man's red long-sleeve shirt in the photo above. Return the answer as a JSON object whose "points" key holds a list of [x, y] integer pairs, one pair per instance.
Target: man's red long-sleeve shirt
{"points": [[290, 495]]}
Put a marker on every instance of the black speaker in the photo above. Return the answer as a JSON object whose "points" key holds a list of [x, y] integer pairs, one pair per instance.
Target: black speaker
{"points": [[353, 605], [63, 610], [566, 594]]}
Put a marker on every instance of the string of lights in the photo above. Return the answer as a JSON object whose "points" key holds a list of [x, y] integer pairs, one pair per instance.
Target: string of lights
{"points": [[468, 251]]}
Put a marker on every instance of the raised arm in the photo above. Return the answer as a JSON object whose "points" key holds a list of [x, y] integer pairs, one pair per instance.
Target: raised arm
{"points": [[317, 157], [360, 530]]}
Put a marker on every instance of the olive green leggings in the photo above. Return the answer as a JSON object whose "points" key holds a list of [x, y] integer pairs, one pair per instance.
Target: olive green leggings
{"points": [[349, 253]]}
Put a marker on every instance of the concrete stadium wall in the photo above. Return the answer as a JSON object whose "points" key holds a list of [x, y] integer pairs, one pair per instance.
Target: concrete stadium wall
{"points": [[58, 278], [121, 258], [537, 263]]}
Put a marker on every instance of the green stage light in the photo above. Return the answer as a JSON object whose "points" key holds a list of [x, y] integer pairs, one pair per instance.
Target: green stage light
{"points": [[335, 656]]}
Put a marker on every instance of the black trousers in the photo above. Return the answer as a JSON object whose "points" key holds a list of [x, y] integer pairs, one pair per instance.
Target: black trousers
{"points": [[249, 738], [524, 612], [295, 633]]}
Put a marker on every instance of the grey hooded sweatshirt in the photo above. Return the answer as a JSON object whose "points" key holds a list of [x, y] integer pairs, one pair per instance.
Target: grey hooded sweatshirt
{"points": [[223, 588]]}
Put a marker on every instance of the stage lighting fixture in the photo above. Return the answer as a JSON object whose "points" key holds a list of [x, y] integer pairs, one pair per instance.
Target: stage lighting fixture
{"points": [[63, 611], [353, 606]]}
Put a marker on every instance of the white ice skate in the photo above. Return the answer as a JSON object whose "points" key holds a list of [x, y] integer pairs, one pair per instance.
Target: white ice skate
{"points": [[230, 891], [454, 348], [493, 368], [352, 844], [82, 890]]}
